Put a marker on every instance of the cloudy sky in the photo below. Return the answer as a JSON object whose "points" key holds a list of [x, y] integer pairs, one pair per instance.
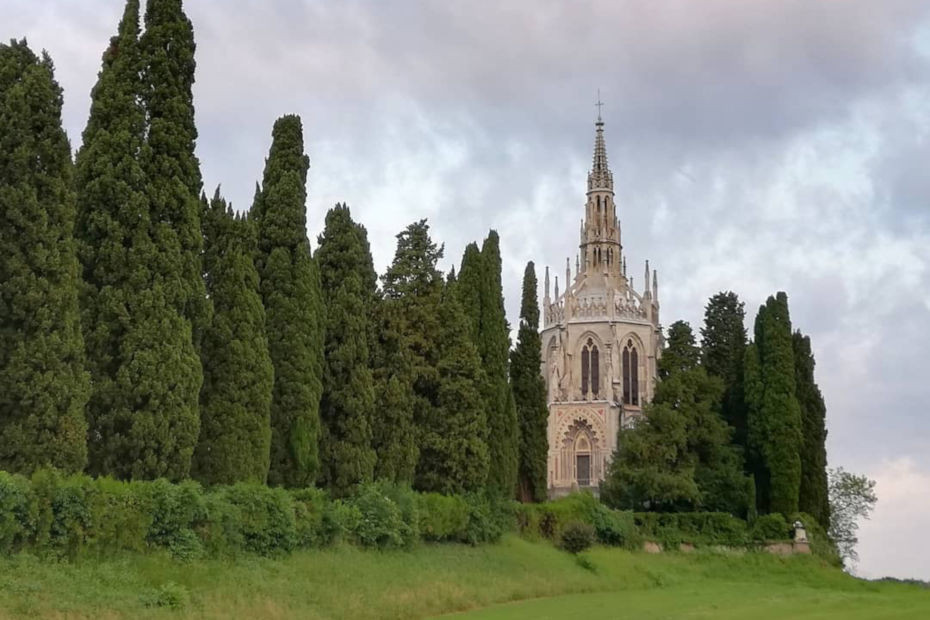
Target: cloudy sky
{"points": [[756, 146]]}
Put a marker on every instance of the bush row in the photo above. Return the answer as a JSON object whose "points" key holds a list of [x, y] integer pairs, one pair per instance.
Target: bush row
{"points": [[71, 516], [553, 519]]}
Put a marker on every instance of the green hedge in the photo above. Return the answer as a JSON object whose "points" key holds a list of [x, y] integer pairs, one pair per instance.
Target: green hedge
{"points": [[550, 520], [697, 528], [71, 516]]}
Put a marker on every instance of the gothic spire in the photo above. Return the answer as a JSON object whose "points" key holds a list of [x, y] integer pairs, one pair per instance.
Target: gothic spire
{"points": [[600, 176]]}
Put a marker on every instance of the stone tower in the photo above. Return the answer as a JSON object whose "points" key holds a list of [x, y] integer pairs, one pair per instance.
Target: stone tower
{"points": [[601, 340]]}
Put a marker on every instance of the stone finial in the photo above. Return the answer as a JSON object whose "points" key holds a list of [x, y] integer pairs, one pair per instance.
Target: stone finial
{"points": [[646, 280], [547, 283], [655, 285], [557, 287]]}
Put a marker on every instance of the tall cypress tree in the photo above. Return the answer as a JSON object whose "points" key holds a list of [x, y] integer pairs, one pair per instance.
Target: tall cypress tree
{"points": [[813, 498], [407, 351], [774, 415], [529, 392], [174, 181], [470, 286], [453, 448], [43, 384], [494, 347], [143, 414], [294, 311], [723, 348], [349, 286], [235, 402]]}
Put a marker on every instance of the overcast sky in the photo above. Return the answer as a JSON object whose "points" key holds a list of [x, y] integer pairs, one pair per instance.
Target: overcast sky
{"points": [[755, 146]]}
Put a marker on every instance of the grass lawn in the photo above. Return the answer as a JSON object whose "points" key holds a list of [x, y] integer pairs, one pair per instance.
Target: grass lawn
{"points": [[507, 580]]}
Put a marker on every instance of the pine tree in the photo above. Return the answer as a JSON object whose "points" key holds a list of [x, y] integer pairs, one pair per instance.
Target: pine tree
{"points": [[235, 402], [774, 415], [43, 384], [174, 181], [349, 286], [723, 349], [294, 311], [494, 347], [407, 352], [529, 390], [453, 448], [143, 414], [813, 496]]}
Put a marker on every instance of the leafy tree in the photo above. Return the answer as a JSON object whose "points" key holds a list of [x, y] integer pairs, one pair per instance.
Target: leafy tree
{"points": [[813, 497], [143, 414], [529, 392], [407, 351], [294, 311], [349, 286], [453, 439], [723, 349], [43, 384], [774, 415], [235, 402], [852, 498], [494, 347], [678, 456]]}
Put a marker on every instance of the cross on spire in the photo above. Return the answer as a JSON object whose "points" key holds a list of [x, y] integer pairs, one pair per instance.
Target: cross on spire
{"points": [[598, 105]]}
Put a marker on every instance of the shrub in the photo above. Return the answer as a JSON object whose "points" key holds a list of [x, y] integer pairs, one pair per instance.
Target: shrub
{"points": [[442, 517], [264, 518], [771, 527], [381, 524], [177, 510], [577, 536], [406, 501], [487, 518], [14, 512]]}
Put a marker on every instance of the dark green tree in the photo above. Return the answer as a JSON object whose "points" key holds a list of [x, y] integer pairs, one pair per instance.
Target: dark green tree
{"points": [[774, 415], [529, 390], [494, 348], [235, 402], [723, 349], [471, 283], [143, 414], [174, 181], [406, 366], [347, 407], [43, 384], [453, 438], [294, 310], [813, 497], [679, 457]]}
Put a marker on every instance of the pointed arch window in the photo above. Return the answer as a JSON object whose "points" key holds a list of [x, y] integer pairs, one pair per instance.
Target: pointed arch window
{"points": [[630, 360], [590, 369]]}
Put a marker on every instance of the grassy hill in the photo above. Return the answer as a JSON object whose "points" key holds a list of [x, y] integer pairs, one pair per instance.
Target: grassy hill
{"points": [[513, 579]]}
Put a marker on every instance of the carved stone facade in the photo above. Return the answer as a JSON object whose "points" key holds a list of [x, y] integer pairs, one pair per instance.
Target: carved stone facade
{"points": [[601, 340]]}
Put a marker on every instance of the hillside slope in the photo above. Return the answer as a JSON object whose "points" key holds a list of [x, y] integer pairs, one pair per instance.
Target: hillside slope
{"points": [[434, 580]]}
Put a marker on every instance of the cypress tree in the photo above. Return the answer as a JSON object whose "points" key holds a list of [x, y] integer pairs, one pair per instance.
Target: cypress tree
{"points": [[813, 497], [349, 286], [407, 352], [453, 450], [723, 348], [529, 390], [43, 384], [494, 347], [174, 181], [294, 311], [774, 415], [235, 402], [470, 284], [143, 415]]}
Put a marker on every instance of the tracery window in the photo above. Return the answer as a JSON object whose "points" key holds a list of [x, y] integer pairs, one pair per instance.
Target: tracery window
{"points": [[630, 360], [590, 369]]}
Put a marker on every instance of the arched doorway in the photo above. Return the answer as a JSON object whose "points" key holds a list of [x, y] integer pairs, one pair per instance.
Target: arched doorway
{"points": [[581, 455]]}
